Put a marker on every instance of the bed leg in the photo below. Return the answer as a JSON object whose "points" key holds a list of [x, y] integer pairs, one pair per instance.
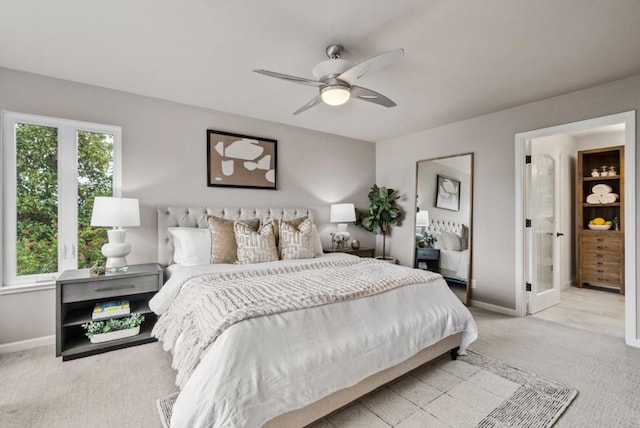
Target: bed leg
{"points": [[454, 353]]}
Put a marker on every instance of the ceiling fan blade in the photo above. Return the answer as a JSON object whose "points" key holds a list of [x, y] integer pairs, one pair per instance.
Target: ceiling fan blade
{"points": [[380, 61], [314, 102], [365, 94], [293, 79]]}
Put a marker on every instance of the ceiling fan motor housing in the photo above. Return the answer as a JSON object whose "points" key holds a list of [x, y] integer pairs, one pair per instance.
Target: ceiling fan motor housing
{"points": [[330, 68]]}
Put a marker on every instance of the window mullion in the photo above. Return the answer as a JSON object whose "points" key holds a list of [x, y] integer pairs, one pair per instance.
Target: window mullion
{"points": [[67, 199], [9, 197]]}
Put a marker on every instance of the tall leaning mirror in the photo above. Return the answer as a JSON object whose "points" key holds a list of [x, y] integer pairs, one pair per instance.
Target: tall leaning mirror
{"points": [[444, 207]]}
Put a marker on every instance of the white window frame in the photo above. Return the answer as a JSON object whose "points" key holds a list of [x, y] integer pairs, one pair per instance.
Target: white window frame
{"points": [[67, 193]]}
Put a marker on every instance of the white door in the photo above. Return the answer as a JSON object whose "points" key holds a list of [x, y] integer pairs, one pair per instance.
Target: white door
{"points": [[544, 236]]}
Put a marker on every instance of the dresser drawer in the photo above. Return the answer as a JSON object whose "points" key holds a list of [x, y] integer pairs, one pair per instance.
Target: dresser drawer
{"points": [[610, 262], [106, 288], [599, 243], [605, 278]]}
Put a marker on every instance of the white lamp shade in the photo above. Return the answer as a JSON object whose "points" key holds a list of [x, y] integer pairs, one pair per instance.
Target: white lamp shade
{"points": [[342, 213], [115, 212], [422, 218]]}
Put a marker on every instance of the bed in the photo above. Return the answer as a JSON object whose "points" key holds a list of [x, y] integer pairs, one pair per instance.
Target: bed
{"points": [[453, 243], [290, 368]]}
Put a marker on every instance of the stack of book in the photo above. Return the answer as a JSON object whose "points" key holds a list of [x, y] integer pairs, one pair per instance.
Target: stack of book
{"points": [[110, 309]]}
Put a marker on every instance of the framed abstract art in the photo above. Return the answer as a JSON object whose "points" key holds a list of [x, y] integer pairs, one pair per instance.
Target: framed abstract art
{"points": [[235, 160]]}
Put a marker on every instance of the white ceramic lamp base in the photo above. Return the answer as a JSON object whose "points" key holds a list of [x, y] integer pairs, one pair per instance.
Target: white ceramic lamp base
{"points": [[342, 230], [116, 251]]}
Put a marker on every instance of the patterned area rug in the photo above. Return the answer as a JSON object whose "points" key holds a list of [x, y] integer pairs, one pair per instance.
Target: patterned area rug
{"points": [[474, 391]]}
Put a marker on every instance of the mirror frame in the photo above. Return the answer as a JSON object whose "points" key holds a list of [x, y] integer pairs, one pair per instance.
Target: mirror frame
{"points": [[468, 296]]}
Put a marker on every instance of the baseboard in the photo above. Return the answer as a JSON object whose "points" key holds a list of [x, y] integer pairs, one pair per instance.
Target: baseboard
{"points": [[633, 342], [566, 285], [21, 345], [494, 308]]}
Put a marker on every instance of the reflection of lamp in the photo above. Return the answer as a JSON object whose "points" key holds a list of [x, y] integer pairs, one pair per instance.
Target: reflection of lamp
{"points": [[422, 218], [116, 213], [342, 214]]}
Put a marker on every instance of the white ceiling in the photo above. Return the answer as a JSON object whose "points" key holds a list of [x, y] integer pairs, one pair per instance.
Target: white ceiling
{"points": [[462, 58]]}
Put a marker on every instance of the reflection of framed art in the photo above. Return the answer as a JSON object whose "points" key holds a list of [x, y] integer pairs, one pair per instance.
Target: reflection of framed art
{"points": [[235, 160], [448, 193]]}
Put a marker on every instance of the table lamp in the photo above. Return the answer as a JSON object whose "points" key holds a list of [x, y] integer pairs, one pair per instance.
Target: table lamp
{"points": [[343, 214], [116, 213], [422, 219]]}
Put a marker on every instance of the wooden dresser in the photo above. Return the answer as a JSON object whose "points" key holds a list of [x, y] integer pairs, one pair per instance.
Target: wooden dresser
{"points": [[600, 253]]}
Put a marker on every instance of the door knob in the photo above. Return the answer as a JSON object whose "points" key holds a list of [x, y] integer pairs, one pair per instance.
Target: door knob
{"points": [[559, 234]]}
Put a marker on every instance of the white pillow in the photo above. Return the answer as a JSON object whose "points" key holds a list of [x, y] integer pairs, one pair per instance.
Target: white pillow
{"points": [[192, 245], [316, 241], [451, 241]]}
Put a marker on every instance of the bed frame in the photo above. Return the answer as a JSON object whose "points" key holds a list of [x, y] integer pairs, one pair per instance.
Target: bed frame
{"points": [[172, 216]]}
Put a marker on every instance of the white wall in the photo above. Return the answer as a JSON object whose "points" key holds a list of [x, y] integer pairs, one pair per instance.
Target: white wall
{"points": [[164, 162], [492, 139], [599, 140]]}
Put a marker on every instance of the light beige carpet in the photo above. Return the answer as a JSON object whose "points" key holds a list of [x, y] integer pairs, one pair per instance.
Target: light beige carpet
{"points": [[475, 391], [120, 388]]}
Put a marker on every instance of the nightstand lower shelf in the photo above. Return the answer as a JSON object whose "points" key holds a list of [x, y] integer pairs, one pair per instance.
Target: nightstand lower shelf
{"points": [[78, 345]]}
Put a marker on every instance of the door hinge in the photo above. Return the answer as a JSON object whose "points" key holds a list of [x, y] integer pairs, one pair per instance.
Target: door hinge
{"points": [[527, 223], [527, 286], [527, 159]]}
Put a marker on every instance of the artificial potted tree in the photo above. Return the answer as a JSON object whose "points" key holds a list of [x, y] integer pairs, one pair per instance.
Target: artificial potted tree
{"points": [[381, 216]]}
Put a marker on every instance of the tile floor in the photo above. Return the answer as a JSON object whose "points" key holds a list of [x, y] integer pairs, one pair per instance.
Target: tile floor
{"points": [[445, 394], [594, 310]]}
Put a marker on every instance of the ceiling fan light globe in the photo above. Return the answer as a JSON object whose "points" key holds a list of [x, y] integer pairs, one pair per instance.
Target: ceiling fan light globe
{"points": [[335, 95]]}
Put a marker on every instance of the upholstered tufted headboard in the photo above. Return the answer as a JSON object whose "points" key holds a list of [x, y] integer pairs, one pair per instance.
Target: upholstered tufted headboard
{"points": [[170, 216], [436, 225]]}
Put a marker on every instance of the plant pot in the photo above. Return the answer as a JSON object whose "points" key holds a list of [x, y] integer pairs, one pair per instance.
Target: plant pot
{"points": [[391, 260], [113, 335]]}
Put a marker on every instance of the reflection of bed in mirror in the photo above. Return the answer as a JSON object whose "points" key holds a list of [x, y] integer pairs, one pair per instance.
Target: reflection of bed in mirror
{"points": [[453, 243]]}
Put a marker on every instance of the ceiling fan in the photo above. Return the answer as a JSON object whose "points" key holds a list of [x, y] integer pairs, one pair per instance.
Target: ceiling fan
{"points": [[335, 79]]}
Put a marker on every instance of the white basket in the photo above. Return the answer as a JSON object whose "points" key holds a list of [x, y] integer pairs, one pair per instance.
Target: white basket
{"points": [[113, 335]]}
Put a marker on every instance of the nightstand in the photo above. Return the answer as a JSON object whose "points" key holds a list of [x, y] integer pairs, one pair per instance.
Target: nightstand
{"points": [[360, 252], [428, 259], [77, 292]]}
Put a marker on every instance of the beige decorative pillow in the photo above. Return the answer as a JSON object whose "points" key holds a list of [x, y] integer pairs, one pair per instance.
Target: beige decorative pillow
{"points": [[276, 226], [255, 246], [296, 240], [223, 239]]}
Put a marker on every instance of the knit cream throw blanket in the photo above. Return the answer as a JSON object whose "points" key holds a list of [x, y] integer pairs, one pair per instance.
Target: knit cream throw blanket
{"points": [[209, 304]]}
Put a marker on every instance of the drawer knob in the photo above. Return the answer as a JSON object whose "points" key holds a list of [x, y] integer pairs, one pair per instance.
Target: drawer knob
{"points": [[599, 263], [115, 287], [600, 270], [599, 247], [598, 255], [600, 239]]}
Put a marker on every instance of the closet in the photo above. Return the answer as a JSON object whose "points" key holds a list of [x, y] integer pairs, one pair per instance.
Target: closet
{"points": [[600, 218]]}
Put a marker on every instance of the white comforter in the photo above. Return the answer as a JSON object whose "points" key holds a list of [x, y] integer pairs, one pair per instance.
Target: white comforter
{"points": [[263, 367]]}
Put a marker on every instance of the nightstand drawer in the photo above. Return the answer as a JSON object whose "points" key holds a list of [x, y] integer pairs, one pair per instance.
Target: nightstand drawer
{"points": [[106, 288], [427, 253]]}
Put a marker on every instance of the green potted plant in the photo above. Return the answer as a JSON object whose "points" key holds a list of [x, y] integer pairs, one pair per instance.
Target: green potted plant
{"points": [[429, 239], [114, 328], [381, 216]]}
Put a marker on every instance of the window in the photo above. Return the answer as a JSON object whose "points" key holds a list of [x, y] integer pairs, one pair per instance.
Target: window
{"points": [[52, 171]]}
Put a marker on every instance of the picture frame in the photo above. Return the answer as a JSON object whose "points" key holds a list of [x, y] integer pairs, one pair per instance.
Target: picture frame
{"points": [[448, 193], [241, 161]]}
